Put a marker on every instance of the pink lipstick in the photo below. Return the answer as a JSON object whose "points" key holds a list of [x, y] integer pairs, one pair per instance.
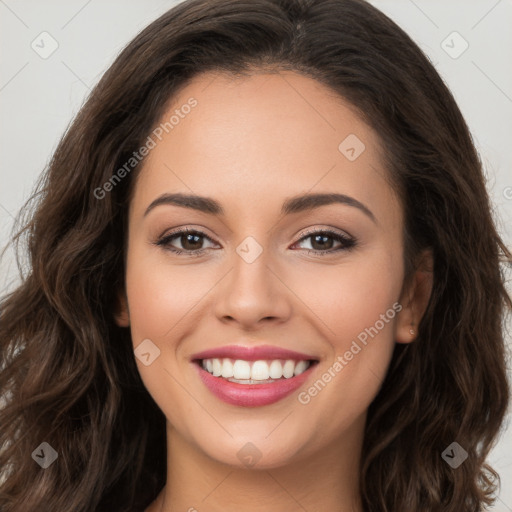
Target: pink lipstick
{"points": [[253, 376]]}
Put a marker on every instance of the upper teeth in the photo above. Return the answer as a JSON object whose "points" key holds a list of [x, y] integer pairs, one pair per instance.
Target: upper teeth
{"points": [[254, 370]]}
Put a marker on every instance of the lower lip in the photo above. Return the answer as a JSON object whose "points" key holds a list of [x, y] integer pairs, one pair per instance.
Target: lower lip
{"points": [[252, 395]]}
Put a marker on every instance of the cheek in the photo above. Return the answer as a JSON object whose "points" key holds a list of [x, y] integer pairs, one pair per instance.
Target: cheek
{"points": [[164, 307], [161, 295], [350, 297], [356, 307]]}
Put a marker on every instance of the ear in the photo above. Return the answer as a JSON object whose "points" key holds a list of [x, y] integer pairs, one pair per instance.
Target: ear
{"points": [[415, 298], [121, 313]]}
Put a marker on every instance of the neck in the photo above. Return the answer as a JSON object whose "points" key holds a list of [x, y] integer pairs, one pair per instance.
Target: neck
{"points": [[326, 481]]}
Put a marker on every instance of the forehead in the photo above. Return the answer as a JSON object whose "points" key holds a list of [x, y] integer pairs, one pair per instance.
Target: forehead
{"points": [[268, 135]]}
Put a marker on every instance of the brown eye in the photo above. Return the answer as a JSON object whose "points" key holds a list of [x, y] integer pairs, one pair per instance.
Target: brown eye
{"points": [[322, 242], [191, 242]]}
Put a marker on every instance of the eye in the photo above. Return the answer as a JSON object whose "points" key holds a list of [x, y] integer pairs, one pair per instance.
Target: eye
{"points": [[189, 239], [322, 242], [191, 242]]}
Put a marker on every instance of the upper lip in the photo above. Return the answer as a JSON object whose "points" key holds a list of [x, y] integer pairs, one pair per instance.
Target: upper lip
{"points": [[253, 353]]}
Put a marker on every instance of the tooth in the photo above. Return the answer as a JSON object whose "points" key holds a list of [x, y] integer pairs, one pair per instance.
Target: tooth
{"points": [[288, 368], [254, 371], [249, 381], [275, 370], [227, 368], [241, 370], [301, 367], [259, 370], [216, 367]]}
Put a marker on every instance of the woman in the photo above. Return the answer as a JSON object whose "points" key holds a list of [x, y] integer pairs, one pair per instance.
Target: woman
{"points": [[264, 273]]}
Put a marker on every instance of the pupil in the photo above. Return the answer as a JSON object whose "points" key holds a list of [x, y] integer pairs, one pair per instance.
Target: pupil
{"points": [[322, 245], [187, 238]]}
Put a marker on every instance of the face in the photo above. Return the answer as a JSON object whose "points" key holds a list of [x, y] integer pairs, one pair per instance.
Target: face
{"points": [[311, 288]]}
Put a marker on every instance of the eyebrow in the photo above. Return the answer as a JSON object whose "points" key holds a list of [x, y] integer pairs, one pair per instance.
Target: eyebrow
{"points": [[294, 204]]}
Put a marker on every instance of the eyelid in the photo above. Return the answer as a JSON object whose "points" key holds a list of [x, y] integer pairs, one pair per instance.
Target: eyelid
{"points": [[183, 231], [309, 232], [325, 229], [346, 242]]}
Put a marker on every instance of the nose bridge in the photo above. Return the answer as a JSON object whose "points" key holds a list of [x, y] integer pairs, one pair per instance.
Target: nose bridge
{"points": [[251, 264], [251, 276], [252, 291]]}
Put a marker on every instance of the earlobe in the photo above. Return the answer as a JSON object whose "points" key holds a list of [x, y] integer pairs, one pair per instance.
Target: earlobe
{"points": [[415, 300], [122, 314]]}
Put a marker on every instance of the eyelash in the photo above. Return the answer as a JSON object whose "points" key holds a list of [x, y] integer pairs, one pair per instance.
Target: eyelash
{"points": [[348, 242]]}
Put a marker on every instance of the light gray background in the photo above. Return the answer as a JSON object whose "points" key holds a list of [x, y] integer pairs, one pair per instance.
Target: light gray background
{"points": [[39, 97]]}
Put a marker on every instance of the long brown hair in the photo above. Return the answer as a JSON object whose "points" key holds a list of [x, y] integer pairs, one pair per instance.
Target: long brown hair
{"points": [[68, 375]]}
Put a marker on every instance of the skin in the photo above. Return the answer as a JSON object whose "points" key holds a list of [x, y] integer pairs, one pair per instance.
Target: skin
{"points": [[250, 143]]}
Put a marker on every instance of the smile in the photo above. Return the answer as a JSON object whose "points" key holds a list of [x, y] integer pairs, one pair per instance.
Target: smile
{"points": [[253, 376]]}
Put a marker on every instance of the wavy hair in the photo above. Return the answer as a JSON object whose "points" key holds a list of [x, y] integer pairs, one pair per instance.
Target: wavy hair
{"points": [[67, 371]]}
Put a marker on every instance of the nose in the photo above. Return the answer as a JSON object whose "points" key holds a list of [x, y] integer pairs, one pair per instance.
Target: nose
{"points": [[253, 293]]}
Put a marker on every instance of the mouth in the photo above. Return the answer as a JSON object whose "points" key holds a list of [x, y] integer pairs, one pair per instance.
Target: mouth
{"points": [[253, 382]]}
